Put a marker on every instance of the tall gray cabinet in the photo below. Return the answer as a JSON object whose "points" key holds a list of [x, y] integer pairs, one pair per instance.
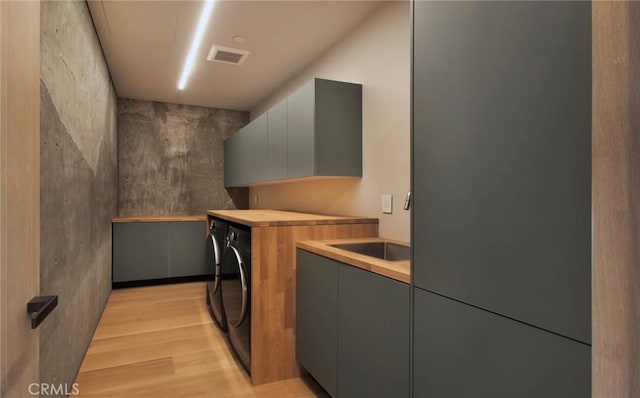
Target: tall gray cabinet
{"points": [[501, 199]]}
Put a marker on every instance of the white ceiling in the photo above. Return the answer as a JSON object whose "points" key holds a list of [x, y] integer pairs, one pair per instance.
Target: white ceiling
{"points": [[146, 42]]}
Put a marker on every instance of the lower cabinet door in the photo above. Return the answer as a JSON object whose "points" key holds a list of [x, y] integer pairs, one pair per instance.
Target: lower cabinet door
{"points": [[140, 251], [373, 335], [317, 318], [187, 240], [463, 351]]}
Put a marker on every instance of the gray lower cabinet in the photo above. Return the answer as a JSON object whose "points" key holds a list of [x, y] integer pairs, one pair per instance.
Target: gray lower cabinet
{"points": [[187, 249], [352, 328], [317, 318], [156, 250], [140, 251], [373, 335], [463, 351]]}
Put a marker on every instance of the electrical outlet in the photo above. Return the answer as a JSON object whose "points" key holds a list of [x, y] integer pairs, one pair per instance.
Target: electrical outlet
{"points": [[255, 199], [387, 203]]}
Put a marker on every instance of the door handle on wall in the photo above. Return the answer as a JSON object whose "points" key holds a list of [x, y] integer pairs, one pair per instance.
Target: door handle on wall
{"points": [[40, 307]]}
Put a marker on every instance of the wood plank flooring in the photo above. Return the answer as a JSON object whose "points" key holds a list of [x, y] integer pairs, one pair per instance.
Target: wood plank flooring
{"points": [[159, 341]]}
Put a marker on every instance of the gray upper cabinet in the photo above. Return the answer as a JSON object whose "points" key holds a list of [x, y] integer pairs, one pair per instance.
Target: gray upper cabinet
{"points": [[277, 142], [245, 154], [232, 159], [316, 131], [325, 130], [502, 158], [255, 157], [300, 148]]}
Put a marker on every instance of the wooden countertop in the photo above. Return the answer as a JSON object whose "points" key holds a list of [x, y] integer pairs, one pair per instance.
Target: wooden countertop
{"points": [[398, 270], [270, 218], [159, 218]]}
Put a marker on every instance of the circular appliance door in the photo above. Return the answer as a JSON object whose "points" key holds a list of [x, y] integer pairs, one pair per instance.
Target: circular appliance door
{"points": [[213, 265], [235, 290]]}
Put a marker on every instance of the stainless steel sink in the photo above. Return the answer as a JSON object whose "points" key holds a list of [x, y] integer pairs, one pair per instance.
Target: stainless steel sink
{"points": [[383, 250]]}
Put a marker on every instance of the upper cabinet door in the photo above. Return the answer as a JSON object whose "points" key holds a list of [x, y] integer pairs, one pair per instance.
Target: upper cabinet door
{"points": [[277, 142], [316, 131], [502, 158], [338, 128], [232, 157], [301, 139], [245, 154], [255, 159]]}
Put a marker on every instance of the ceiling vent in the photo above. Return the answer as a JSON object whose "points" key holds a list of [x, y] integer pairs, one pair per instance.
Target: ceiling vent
{"points": [[227, 55]]}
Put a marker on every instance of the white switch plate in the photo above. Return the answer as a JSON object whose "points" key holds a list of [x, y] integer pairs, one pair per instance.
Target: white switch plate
{"points": [[387, 203]]}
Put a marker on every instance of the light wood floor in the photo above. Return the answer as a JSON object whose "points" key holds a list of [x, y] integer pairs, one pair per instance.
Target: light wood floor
{"points": [[159, 341]]}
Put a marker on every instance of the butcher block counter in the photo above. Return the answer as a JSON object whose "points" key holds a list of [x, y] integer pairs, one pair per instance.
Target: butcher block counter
{"points": [[159, 219], [272, 218], [274, 235]]}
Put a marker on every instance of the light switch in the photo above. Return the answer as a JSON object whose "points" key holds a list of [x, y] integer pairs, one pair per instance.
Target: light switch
{"points": [[387, 203]]}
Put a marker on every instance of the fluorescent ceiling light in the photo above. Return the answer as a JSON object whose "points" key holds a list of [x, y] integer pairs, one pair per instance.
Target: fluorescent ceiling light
{"points": [[195, 44]]}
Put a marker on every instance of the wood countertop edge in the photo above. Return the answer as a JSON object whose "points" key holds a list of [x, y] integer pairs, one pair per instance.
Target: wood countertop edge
{"points": [[398, 270], [330, 220], [159, 219]]}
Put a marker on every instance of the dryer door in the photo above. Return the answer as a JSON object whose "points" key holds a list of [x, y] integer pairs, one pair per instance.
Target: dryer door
{"points": [[235, 288]]}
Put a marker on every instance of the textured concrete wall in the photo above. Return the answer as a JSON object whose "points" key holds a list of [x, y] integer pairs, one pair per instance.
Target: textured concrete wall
{"points": [[78, 185], [170, 158]]}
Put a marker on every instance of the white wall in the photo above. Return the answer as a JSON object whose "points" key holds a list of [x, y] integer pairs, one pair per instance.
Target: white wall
{"points": [[377, 55]]}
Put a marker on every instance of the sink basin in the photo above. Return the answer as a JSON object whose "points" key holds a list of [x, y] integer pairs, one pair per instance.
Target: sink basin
{"points": [[383, 250]]}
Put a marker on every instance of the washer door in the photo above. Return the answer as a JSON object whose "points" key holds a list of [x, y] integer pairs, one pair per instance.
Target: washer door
{"points": [[235, 290], [213, 265]]}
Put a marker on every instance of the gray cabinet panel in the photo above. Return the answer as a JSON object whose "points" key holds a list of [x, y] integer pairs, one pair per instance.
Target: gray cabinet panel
{"points": [[316, 131], [231, 160], [502, 158], [300, 117], [373, 335], [317, 317], [187, 242], [255, 144], [277, 142], [237, 157], [140, 251], [462, 351], [338, 124]]}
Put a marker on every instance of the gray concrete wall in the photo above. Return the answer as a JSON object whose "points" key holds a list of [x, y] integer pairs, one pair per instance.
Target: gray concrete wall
{"points": [[170, 158], [78, 185]]}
